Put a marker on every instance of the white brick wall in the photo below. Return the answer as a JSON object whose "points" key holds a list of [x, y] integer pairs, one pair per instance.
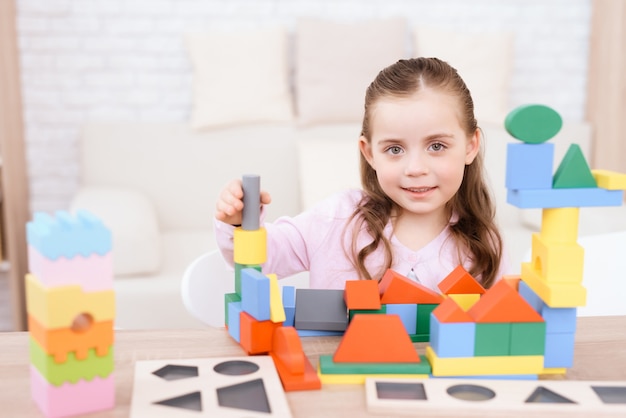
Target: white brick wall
{"points": [[115, 60]]}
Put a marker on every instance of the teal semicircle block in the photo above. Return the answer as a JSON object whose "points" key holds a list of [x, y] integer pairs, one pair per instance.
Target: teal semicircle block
{"points": [[533, 124]]}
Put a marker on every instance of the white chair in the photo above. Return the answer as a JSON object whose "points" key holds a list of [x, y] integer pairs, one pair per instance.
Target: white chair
{"points": [[604, 274], [207, 279]]}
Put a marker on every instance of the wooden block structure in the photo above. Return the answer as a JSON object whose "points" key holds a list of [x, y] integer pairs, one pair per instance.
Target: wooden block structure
{"points": [[552, 281], [70, 304]]}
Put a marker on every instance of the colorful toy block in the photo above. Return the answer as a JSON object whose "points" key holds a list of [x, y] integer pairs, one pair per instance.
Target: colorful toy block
{"points": [[234, 316], [459, 281], [533, 124], [529, 166], [407, 313], [527, 338], [465, 302], [362, 294], [610, 180], [228, 298], [559, 225], [492, 339], [295, 370], [573, 172], [555, 295], [251, 184], [383, 335], [503, 304], [255, 294], [450, 311], [328, 366], [564, 198], [277, 311], [256, 337], [238, 269], [250, 247], [452, 339], [558, 262], [321, 310], [559, 351], [289, 304], [481, 366], [396, 288]]}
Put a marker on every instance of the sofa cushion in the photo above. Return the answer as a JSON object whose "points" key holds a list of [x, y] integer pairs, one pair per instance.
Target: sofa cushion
{"points": [[132, 219], [239, 77], [335, 62], [484, 61]]}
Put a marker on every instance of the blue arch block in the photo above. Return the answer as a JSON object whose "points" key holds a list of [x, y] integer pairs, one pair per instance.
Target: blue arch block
{"points": [[66, 235]]}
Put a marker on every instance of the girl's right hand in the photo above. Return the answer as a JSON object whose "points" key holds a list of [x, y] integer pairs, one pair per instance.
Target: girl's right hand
{"points": [[229, 207]]}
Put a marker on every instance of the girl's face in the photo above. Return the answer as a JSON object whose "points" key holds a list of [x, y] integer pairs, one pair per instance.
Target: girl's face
{"points": [[419, 150]]}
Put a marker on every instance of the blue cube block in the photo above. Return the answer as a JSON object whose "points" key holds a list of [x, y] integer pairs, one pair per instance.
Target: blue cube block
{"points": [[452, 339], [234, 311], [407, 313], [559, 351], [559, 320], [255, 294], [529, 166]]}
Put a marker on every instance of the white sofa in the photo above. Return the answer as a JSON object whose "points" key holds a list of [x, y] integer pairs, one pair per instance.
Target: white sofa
{"points": [[155, 186]]}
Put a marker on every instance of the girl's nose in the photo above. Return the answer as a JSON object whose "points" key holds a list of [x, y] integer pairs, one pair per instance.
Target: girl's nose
{"points": [[415, 165]]}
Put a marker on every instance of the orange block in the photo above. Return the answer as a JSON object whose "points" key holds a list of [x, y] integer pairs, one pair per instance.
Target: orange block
{"points": [[396, 288], [376, 339], [78, 339], [450, 311], [256, 336], [502, 303], [362, 294], [295, 370], [460, 282], [512, 280]]}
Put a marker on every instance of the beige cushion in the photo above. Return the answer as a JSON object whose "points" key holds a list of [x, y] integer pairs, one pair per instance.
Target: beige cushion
{"points": [[335, 62], [484, 61], [132, 220], [239, 77]]}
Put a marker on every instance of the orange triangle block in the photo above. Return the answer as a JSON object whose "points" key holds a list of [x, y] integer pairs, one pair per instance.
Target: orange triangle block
{"points": [[450, 311], [362, 294], [460, 282], [376, 339], [396, 288], [502, 303]]}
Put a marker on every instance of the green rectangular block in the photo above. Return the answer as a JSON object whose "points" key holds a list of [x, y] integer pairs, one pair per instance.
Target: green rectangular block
{"points": [[238, 268], [423, 317], [351, 313], [328, 366], [230, 297], [420, 338], [493, 339], [528, 338]]}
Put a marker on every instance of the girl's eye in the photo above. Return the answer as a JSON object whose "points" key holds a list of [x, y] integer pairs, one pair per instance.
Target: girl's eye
{"points": [[394, 150], [437, 146]]}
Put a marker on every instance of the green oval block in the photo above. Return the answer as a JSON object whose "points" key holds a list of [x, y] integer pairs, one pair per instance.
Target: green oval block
{"points": [[533, 124]]}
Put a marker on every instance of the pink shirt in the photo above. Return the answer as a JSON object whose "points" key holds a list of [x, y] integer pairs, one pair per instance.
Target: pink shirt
{"points": [[315, 241]]}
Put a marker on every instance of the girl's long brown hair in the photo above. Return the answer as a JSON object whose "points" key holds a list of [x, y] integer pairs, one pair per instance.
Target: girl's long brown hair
{"points": [[475, 231]]}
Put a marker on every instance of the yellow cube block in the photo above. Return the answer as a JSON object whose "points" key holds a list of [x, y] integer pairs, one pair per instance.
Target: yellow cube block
{"points": [[555, 295], [558, 262]]}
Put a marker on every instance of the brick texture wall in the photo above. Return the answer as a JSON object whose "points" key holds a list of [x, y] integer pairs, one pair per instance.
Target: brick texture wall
{"points": [[121, 60]]}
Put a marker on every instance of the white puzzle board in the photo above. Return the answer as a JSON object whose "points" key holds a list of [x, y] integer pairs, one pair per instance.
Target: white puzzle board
{"points": [[419, 396], [208, 387]]}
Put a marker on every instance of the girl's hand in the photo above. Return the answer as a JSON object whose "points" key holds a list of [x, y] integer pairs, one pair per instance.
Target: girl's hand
{"points": [[229, 205]]}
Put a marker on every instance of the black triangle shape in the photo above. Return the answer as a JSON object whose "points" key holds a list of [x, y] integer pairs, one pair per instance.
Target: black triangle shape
{"points": [[544, 395], [249, 395], [191, 401]]}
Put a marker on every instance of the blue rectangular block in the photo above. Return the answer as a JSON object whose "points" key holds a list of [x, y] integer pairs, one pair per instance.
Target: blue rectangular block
{"points": [[559, 350], [255, 294], [234, 309], [452, 339], [529, 166], [530, 296], [559, 319], [289, 304], [407, 313], [564, 198]]}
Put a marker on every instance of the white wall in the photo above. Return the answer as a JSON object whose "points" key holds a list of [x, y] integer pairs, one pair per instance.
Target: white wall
{"points": [[118, 60]]}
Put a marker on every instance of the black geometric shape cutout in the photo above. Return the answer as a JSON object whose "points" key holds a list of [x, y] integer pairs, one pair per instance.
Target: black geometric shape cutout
{"points": [[543, 395], [397, 390], [250, 396], [236, 368], [175, 372], [471, 393], [191, 401], [610, 394]]}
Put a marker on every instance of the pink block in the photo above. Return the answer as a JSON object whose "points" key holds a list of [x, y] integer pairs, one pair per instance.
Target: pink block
{"points": [[72, 399], [93, 273]]}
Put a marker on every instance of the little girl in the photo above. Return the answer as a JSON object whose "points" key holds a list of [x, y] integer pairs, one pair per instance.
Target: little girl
{"points": [[424, 208]]}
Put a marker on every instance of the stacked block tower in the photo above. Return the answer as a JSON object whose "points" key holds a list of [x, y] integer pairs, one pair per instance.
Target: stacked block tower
{"points": [[552, 281], [71, 309]]}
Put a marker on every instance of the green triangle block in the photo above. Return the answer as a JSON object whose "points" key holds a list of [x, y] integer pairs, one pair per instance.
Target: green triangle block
{"points": [[573, 172]]}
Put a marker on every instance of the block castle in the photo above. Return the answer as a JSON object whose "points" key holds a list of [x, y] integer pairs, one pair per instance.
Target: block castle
{"points": [[71, 308]]}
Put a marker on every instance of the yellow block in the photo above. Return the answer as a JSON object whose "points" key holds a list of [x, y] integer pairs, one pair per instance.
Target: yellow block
{"points": [[559, 225], [611, 180], [277, 310], [57, 307], [554, 370], [359, 379], [558, 262], [250, 247], [555, 295], [480, 366], [465, 301]]}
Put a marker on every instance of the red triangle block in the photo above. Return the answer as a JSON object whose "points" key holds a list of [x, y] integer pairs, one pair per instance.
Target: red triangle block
{"points": [[376, 339], [460, 282], [396, 288], [450, 311], [502, 303]]}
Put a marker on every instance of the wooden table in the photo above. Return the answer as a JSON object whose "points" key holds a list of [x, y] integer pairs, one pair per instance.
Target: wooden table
{"points": [[600, 354]]}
